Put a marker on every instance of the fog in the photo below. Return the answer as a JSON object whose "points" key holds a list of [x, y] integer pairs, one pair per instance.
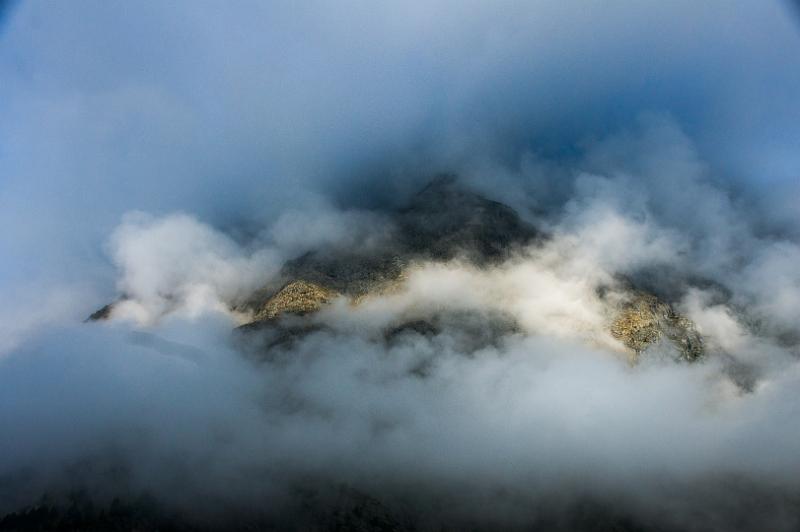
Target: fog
{"points": [[173, 157]]}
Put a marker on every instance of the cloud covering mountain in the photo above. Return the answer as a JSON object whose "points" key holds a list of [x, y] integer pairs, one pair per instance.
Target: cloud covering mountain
{"points": [[173, 158]]}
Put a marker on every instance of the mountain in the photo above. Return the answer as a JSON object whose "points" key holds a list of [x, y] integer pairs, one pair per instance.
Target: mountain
{"points": [[444, 221], [443, 224]]}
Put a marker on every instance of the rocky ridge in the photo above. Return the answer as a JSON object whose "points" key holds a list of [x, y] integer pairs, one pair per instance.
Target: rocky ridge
{"points": [[442, 222]]}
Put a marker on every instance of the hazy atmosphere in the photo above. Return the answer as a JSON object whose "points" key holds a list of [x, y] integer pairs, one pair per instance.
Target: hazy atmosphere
{"points": [[405, 266]]}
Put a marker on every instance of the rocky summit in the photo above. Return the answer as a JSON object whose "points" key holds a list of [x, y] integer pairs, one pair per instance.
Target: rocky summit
{"points": [[444, 221]]}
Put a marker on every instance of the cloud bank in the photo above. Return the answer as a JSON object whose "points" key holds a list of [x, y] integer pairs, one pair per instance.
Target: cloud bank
{"points": [[177, 156]]}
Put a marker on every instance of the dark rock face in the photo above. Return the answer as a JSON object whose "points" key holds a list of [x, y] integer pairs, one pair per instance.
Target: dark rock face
{"points": [[270, 339], [467, 331], [101, 314], [345, 272], [442, 222], [445, 221]]}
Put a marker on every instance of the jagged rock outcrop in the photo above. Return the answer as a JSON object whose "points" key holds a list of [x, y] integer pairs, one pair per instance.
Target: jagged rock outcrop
{"points": [[297, 297], [645, 320]]}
